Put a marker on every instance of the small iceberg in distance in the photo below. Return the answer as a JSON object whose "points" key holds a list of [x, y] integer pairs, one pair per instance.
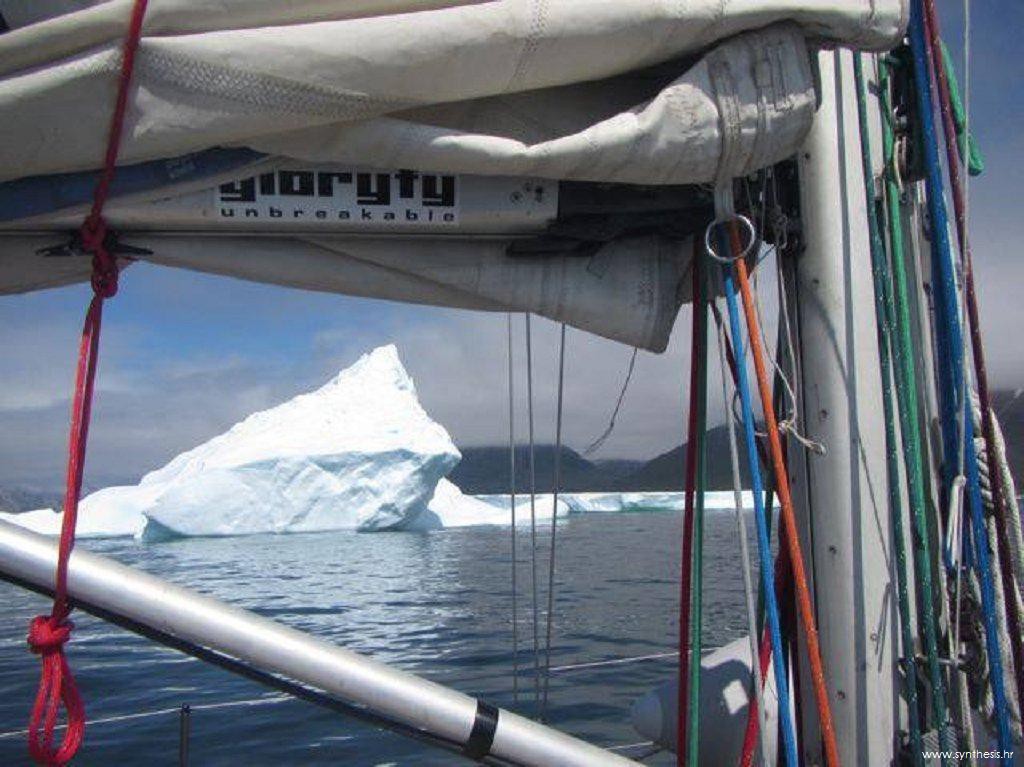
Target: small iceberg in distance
{"points": [[616, 502]]}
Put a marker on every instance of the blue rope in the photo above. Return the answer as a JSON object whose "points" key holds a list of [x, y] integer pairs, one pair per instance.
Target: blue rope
{"points": [[36, 195], [763, 545], [949, 338]]}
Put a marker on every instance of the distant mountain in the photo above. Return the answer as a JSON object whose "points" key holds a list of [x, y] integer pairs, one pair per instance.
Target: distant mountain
{"points": [[1009, 406], [486, 470], [24, 499], [667, 471]]}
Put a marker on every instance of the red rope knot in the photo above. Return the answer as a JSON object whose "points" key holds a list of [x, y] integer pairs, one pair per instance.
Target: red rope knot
{"points": [[47, 635], [104, 264]]}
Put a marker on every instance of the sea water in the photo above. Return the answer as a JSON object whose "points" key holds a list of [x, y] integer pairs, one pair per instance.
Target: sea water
{"points": [[437, 604]]}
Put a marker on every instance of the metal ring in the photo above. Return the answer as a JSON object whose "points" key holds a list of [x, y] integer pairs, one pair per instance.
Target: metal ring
{"points": [[751, 239]]}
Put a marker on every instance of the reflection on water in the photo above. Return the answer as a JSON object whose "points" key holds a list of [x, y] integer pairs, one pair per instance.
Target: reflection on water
{"points": [[437, 604]]}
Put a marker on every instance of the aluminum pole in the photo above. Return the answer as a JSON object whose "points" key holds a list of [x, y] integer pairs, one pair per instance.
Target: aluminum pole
{"points": [[164, 607]]}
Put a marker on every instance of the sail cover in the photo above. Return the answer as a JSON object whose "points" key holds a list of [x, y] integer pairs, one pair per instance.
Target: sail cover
{"points": [[639, 92]]}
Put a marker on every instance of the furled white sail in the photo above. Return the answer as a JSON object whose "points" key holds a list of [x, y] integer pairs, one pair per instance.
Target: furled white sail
{"points": [[530, 87], [635, 91]]}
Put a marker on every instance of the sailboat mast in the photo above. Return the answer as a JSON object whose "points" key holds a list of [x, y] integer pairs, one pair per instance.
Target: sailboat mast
{"points": [[841, 494]]}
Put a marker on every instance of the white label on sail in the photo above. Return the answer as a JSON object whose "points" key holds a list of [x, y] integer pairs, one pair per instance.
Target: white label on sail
{"points": [[358, 197]]}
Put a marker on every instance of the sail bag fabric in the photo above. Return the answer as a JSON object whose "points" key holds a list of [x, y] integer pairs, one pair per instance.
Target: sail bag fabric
{"points": [[633, 91]]}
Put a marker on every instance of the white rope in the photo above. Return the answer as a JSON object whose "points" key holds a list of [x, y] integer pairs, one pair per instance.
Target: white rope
{"points": [[615, 661], [554, 524], [533, 514], [1015, 536], [596, 445], [741, 524], [790, 422], [1014, 546], [164, 711], [512, 509], [1005, 650], [627, 746]]}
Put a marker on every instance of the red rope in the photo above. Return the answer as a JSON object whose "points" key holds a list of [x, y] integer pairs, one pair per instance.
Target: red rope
{"points": [[48, 634], [686, 566], [782, 577], [791, 538]]}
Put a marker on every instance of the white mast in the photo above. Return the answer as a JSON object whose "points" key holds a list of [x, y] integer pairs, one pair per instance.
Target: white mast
{"points": [[841, 496]]}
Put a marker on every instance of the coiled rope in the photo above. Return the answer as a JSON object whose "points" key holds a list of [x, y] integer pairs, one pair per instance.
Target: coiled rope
{"points": [[48, 634]]}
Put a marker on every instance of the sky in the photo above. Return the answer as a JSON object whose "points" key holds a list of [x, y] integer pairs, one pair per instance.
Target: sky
{"points": [[186, 355]]}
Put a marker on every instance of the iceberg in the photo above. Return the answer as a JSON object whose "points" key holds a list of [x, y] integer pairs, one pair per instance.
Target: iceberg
{"points": [[358, 453], [113, 512], [450, 507], [614, 502]]}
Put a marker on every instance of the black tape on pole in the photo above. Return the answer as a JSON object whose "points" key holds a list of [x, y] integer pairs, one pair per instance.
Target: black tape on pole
{"points": [[481, 737]]}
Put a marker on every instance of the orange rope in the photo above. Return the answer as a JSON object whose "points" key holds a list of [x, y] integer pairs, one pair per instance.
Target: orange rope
{"points": [[792, 540]]}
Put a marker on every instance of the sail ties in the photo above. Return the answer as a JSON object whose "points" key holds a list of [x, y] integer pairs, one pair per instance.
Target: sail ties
{"points": [[49, 633]]}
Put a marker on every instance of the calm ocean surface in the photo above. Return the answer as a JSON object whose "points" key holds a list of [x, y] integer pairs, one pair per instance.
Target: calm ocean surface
{"points": [[437, 604]]}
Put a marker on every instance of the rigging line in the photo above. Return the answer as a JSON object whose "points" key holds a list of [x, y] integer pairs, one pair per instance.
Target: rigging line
{"points": [[969, 305], [782, 576], [512, 509], [293, 689], [764, 546], [115, 718], [696, 623], [898, 304], [598, 443], [686, 558], [884, 331], [787, 515], [554, 525], [533, 516], [757, 698], [949, 327], [615, 661]]}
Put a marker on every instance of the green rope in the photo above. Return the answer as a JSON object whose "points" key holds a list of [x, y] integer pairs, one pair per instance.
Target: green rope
{"points": [[898, 314], [884, 326], [975, 161], [700, 316]]}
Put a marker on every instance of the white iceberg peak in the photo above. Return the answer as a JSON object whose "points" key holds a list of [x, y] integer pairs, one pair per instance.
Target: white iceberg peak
{"points": [[357, 453]]}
